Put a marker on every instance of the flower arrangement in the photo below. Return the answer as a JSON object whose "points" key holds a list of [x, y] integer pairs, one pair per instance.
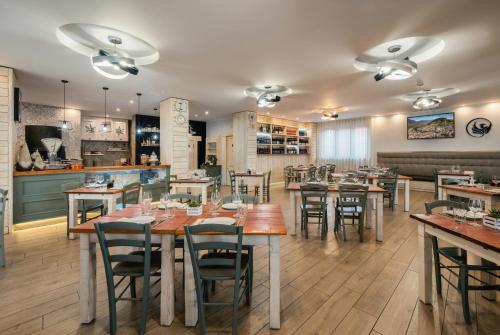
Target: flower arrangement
{"points": [[194, 208]]}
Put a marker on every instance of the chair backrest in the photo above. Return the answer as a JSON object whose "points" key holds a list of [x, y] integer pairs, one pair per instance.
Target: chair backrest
{"points": [[185, 197], [217, 183], [322, 171], [314, 194], [311, 172], [113, 257], [393, 170], [3, 199], [388, 182], [267, 179], [131, 194], [331, 168], [232, 180], [352, 196], [429, 206], [245, 198], [197, 248]]}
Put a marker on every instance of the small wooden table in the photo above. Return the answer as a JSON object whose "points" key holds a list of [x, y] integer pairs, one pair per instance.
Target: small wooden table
{"points": [[202, 184], [491, 197], [107, 195], [405, 180], [263, 225], [441, 175], [481, 241], [252, 179], [374, 192]]}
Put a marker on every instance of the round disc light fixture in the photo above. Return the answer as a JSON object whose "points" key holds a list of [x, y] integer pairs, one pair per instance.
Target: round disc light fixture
{"points": [[268, 95], [428, 98], [113, 53], [426, 102]]}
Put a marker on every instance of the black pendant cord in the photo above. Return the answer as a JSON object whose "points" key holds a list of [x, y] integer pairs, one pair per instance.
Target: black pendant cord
{"points": [[139, 103], [64, 99], [105, 107]]}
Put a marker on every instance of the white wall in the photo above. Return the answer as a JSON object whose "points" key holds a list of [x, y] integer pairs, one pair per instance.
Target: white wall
{"points": [[389, 132], [220, 127]]}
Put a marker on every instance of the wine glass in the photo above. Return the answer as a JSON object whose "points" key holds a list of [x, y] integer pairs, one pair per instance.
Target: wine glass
{"points": [[147, 199], [100, 180], [215, 199], [495, 180], [164, 201], [475, 205]]}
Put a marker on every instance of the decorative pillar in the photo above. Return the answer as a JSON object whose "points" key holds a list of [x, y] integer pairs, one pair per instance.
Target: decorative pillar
{"points": [[174, 134], [245, 141]]}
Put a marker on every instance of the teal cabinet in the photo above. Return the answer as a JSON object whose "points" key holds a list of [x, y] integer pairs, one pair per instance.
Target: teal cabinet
{"points": [[40, 197]]}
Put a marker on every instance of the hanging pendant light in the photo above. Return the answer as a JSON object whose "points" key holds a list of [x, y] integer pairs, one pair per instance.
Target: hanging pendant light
{"points": [[64, 124], [139, 130], [155, 135], [106, 125]]}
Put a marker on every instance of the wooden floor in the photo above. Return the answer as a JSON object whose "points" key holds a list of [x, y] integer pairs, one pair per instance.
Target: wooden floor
{"points": [[328, 287]]}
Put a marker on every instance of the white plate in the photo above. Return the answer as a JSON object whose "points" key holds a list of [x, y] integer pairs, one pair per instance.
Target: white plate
{"points": [[470, 214], [230, 206], [219, 220], [178, 205], [144, 219], [93, 185]]}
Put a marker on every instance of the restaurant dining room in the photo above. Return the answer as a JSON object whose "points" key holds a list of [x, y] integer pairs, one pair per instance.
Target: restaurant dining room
{"points": [[250, 167]]}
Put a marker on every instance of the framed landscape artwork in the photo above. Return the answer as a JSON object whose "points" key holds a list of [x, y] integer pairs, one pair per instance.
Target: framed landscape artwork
{"points": [[431, 126]]}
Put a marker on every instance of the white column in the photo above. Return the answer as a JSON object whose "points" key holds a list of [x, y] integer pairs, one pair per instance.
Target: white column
{"points": [[174, 134], [245, 141]]}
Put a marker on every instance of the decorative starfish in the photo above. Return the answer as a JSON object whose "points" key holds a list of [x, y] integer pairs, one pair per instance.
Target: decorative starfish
{"points": [[119, 131], [89, 128]]}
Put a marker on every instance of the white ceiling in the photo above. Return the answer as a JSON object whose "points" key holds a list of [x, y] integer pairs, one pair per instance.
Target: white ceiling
{"points": [[210, 51]]}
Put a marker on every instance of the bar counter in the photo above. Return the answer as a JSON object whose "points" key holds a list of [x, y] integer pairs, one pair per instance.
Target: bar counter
{"points": [[38, 194]]}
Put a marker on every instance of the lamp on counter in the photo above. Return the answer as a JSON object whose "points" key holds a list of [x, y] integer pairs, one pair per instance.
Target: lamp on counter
{"points": [[106, 125], [64, 124]]}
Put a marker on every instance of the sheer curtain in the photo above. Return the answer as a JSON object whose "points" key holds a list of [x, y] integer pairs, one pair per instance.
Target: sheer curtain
{"points": [[345, 143]]}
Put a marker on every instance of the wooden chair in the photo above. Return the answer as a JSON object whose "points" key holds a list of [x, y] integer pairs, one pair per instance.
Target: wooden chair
{"points": [[322, 172], [131, 194], [311, 173], [245, 198], [289, 175], [458, 258], [351, 204], [389, 182], [229, 265], [84, 206], [242, 188], [143, 263], [3, 198], [314, 205], [266, 191]]}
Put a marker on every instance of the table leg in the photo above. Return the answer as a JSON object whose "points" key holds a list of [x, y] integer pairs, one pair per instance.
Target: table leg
{"points": [[72, 213], [293, 212], [380, 217], [407, 195], [369, 212], [87, 279], [274, 282], [204, 195], [111, 204], [190, 303], [424, 258], [396, 195], [261, 192], [167, 301]]}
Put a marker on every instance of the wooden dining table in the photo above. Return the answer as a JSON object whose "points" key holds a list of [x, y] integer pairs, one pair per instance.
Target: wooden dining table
{"points": [[263, 225], [374, 192], [476, 239], [201, 183], [252, 179], [490, 195]]}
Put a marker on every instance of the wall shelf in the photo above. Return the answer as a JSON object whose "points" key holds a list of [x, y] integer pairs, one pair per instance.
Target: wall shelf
{"points": [[274, 138]]}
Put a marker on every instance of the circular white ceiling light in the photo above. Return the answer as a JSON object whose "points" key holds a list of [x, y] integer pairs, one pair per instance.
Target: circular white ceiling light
{"points": [[426, 102], [397, 59], [268, 95], [428, 98], [113, 53], [330, 114]]}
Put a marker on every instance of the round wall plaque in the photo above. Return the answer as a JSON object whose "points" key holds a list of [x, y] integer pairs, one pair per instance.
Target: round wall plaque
{"points": [[478, 127]]}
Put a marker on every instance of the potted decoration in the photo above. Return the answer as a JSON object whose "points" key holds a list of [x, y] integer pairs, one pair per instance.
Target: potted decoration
{"points": [[492, 220], [194, 208]]}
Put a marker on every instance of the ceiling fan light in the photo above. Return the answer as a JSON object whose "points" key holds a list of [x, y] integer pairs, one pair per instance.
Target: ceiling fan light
{"points": [[427, 102]]}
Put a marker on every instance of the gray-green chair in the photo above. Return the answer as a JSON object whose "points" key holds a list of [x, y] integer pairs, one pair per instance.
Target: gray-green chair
{"points": [[84, 206], [185, 197], [311, 173], [228, 265], [266, 190], [389, 182], [314, 205], [457, 258], [351, 204], [131, 194], [322, 172], [245, 198], [3, 199], [142, 263]]}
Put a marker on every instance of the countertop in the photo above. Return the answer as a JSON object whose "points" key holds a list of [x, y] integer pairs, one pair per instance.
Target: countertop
{"points": [[90, 169]]}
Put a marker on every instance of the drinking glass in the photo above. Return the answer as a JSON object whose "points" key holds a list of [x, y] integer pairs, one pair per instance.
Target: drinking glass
{"points": [[460, 215], [475, 206], [495, 180], [147, 198], [164, 201], [237, 198], [215, 200], [100, 180]]}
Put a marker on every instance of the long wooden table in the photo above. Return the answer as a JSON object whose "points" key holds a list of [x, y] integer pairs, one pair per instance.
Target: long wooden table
{"points": [[481, 241], [374, 192], [263, 225]]}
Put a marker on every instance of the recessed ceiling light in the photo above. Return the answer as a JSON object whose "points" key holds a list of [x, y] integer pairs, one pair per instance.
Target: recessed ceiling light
{"points": [[118, 109], [196, 115], [206, 112], [296, 118], [131, 101]]}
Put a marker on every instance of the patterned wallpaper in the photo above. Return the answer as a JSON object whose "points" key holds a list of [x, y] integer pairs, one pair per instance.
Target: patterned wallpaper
{"points": [[43, 115]]}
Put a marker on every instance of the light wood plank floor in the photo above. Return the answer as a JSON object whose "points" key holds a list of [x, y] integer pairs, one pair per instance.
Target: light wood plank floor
{"points": [[328, 287]]}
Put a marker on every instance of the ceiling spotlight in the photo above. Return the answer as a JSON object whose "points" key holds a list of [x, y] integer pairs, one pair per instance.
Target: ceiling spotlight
{"points": [[131, 101], [426, 102], [206, 112], [196, 115], [396, 69], [118, 109], [329, 116], [113, 64], [269, 95]]}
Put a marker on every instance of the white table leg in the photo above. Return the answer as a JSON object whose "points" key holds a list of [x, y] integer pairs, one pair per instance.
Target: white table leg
{"points": [[440, 190], [167, 303], [111, 201], [292, 227], [407, 195], [72, 213], [87, 279], [204, 194], [380, 217], [261, 188], [190, 303], [424, 258], [274, 282], [174, 188], [396, 195], [369, 212]]}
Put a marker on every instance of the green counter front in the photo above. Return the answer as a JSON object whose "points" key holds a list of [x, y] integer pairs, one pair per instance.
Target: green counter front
{"points": [[38, 195]]}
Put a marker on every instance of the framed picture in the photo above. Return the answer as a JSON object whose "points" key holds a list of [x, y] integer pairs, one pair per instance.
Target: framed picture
{"points": [[432, 126]]}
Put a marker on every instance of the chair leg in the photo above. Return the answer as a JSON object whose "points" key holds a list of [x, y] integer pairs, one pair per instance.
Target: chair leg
{"points": [[437, 267], [361, 228], [464, 290], [112, 310], [133, 292], [235, 306], [145, 306]]}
